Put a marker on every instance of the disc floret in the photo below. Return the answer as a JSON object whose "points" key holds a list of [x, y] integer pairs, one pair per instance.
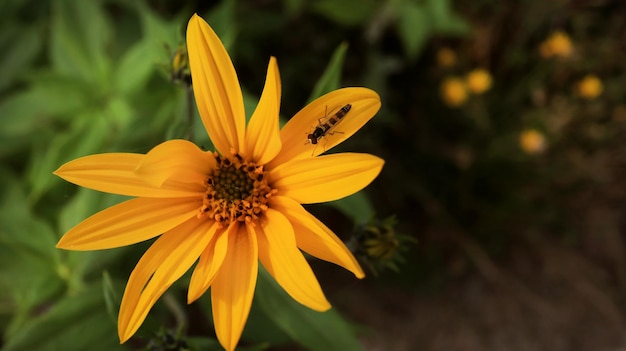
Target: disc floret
{"points": [[236, 190]]}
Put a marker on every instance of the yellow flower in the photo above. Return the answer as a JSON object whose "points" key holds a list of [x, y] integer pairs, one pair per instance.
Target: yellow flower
{"points": [[446, 57], [478, 81], [453, 91], [229, 209], [557, 45], [532, 141], [590, 87]]}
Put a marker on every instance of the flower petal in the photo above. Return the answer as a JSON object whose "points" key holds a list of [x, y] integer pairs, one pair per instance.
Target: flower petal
{"points": [[165, 261], [314, 238], [282, 259], [365, 103], [208, 266], [233, 287], [129, 222], [178, 160], [262, 135], [216, 88], [325, 178], [115, 173]]}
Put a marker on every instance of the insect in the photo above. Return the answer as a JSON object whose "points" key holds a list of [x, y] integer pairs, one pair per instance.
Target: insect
{"points": [[324, 127]]}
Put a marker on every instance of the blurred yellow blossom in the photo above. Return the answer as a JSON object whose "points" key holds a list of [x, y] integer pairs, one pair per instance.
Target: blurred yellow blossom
{"points": [[453, 91], [589, 87], [478, 81], [446, 57], [532, 141], [558, 44]]}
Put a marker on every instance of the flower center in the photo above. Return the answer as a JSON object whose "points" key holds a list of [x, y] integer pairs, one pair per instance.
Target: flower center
{"points": [[236, 190]]}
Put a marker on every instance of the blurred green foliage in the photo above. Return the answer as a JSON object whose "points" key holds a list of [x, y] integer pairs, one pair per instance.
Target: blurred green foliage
{"points": [[83, 77]]}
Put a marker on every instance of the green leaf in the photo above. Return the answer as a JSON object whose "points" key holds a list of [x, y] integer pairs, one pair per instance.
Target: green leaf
{"points": [[356, 206], [204, 344], [119, 114], [20, 44], [79, 34], [413, 26], [28, 256], [331, 78], [87, 137], [79, 264], [135, 67], [346, 12], [294, 7], [259, 330], [60, 95], [158, 30], [112, 296], [85, 203], [9, 9], [20, 227], [77, 322], [313, 330], [445, 21], [222, 20], [145, 56], [417, 22], [26, 115]]}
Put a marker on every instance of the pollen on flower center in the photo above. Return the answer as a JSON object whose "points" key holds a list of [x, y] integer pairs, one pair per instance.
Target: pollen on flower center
{"points": [[236, 190]]}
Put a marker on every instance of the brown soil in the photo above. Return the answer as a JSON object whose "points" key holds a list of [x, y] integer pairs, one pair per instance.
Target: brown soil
{"points": [[546, 296]]}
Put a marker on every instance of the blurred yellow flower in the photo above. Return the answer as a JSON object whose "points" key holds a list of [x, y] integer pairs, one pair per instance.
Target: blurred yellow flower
{"points": [[446, 57], [532, 141], [221, 213], [478, 81], [590, 87], [558, 44], [453, 91]]}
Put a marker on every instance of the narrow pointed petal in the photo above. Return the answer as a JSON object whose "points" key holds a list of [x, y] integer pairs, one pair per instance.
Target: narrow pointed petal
{"points": [[215, 86], [314, 238], [209, 264], [178, 160], [282, 259], [115, 173], [128, 223], [164, 262], [365, 103], [325, 178], [262, 135], [233, 287]]}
